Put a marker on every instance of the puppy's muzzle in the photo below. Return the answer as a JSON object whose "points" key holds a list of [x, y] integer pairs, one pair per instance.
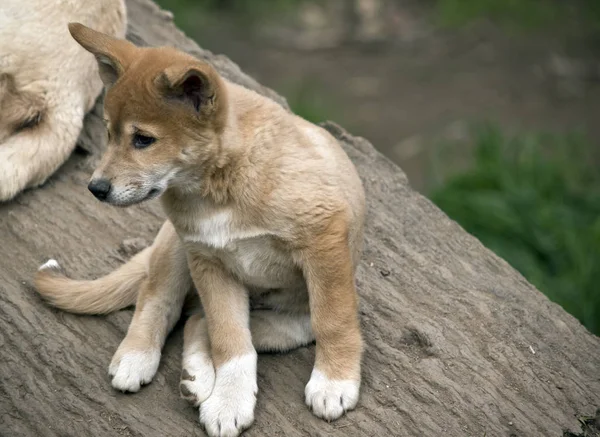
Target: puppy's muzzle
{"points": [[100, 188]]}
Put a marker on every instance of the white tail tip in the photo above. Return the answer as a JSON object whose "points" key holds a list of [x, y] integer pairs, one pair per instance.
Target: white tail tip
{"points": [[51, 264]]}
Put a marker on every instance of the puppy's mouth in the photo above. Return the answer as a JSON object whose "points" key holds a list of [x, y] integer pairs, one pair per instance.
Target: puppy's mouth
{"points": [[127, 198], [152, 194], [138, 191]]}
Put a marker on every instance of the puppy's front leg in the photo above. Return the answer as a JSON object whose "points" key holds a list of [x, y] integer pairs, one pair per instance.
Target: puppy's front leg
{"points": [[230, 407], [328, 270], [158, 308]]}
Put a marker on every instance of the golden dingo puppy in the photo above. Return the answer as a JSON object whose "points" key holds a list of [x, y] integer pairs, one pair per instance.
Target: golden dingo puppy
{"points": [[47, 84], [265, 220]]}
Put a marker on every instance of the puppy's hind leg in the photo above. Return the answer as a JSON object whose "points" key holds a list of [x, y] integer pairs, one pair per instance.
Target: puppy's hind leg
{"points": [[280, 332], [198, 372], [285, 324], [271, 332], [157, 310]]}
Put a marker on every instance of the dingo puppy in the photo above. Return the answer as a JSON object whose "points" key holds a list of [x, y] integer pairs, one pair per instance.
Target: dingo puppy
{"points": [[265, 220], [47, 84]]}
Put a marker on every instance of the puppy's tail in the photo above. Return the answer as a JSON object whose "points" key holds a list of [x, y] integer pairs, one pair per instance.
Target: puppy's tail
{"points": [[118, 289]]}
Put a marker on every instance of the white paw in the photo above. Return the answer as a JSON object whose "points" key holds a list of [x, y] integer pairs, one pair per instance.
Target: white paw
{"points": [[131, 370], [229, 410], [330, 398], [197, 378]]}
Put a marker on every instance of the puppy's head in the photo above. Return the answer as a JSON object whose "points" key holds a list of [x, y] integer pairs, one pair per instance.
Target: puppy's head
{"points": [[165, 112], [20, 109]]}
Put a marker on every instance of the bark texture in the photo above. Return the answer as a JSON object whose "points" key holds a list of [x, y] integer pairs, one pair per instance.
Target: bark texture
{"points": [[457, 342]]}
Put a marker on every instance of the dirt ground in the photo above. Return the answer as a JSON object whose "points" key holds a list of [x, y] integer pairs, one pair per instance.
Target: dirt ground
{"points": [[406, 95]]}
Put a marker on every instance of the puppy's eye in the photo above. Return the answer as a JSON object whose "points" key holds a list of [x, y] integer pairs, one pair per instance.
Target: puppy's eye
{"points": [[142, 141]]}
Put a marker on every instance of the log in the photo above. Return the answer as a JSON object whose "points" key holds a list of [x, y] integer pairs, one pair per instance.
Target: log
{"points": [[457, 342]]}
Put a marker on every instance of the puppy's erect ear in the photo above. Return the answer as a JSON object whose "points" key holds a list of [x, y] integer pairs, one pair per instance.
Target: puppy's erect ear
{"points": [[197, 85], [112, 54]]}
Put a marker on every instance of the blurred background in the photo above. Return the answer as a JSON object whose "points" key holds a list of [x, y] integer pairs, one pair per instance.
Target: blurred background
{"points": [[491, 107]]}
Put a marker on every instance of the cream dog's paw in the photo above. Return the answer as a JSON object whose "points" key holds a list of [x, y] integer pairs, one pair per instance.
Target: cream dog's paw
{"points": [[229, 410], [328, 398]]}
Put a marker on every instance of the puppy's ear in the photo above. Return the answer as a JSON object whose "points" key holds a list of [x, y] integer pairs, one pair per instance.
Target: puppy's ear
{"points": [[196, 85], [112, 54]]}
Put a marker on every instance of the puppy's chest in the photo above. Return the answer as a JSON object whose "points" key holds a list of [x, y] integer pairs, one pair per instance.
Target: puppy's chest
{"points": [[249, 253]]}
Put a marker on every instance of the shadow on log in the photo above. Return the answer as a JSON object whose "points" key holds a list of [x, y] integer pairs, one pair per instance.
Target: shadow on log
{"points": [[457, 342]]}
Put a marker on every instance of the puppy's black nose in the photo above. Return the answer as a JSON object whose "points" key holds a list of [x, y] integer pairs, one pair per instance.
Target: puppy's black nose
{"points": [[100, 188]]}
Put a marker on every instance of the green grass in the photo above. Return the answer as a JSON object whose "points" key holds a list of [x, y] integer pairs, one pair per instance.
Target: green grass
{"points": [[520, 14], [235, 6], [535, 201], [514, 14], [525, 13]]}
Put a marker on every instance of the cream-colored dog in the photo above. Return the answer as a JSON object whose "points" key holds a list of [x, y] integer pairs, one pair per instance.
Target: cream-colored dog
{"points": [[47, 84], [265, 220]]}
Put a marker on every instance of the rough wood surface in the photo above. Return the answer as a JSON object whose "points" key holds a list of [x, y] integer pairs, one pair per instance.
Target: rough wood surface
{"points": [[458, 343]]}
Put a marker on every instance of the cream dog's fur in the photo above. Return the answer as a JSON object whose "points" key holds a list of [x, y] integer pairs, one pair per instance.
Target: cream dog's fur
{"points": [[47, 84], [265, 220]]}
